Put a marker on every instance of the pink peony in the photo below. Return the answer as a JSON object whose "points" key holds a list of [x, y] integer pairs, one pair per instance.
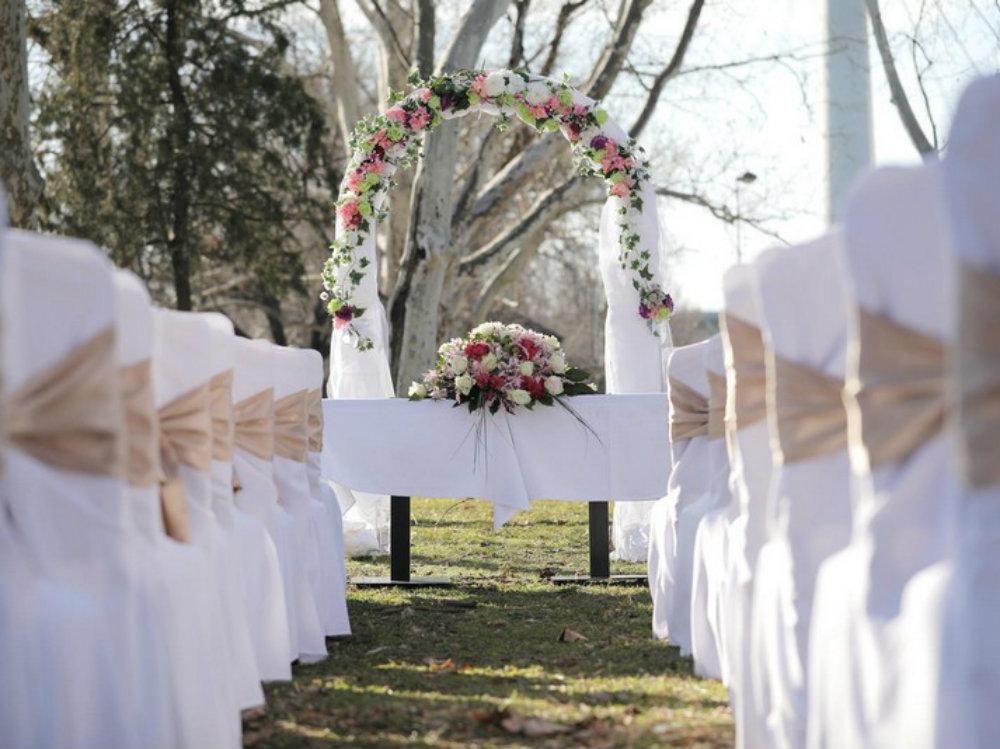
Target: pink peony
{"points": [[424, 94], [419, 119], [396, 114], [620, 189], [349, 214]]}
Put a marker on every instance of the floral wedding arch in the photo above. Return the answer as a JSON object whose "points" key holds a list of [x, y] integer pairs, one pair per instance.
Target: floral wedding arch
{"points": [[636, 329]]}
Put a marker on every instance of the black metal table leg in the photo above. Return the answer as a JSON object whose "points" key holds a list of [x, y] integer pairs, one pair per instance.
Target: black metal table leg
{"points": [[399, 553], [599, 528]]}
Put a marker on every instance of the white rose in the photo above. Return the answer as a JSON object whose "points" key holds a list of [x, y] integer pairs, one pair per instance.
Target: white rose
{"points": [[558, 362], [526, 368], [418, 390], [553, 342], [459, 364], [515, 83], [520, 397], [494, 84], [554, 385], [488, 328], [489, 362], [537, 93], [463, 384]]}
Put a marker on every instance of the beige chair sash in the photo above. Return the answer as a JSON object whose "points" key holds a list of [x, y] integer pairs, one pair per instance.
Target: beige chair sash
{"points": [[185, 440], [314, 409], [896, 400], [253, 424], [142, 454], [220, 396], [688, 411], [746, 349], [979, 376], [290, 438], [69, 416], [716, 405], [809, 415]]}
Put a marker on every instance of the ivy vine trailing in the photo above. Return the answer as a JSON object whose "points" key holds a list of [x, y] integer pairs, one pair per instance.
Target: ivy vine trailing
{"points": [[383, 143]]}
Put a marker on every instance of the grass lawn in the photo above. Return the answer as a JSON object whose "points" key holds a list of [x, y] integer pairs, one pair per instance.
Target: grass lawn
{"points": [[481, 664]]}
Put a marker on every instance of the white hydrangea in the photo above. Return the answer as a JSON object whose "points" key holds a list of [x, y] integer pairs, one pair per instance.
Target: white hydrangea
{"points": [[553, 342], [537, 93], [488, 328]]}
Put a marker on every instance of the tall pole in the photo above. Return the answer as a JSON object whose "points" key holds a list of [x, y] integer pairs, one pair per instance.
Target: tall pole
{"points": [[848, 88]]}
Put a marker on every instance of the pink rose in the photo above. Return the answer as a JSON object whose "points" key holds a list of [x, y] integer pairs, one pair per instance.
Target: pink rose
{"points": [[538, 111], [381, 140], [377, 166], [349, 214], [419, 119], [396, 114], [424, 94], [620, 189], [479, 85], [354, 180]]}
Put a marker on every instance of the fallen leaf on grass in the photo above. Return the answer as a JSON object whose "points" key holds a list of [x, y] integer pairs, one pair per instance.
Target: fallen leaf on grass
{"points": [[570, 635], [379, 649], [534, 727], [441, 665]]}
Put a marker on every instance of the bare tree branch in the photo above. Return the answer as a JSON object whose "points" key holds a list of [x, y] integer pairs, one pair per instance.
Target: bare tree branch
{"points": [[899, 97], [562, 21], [517, 39], [344, 72], [671, 69], [721, 212]]}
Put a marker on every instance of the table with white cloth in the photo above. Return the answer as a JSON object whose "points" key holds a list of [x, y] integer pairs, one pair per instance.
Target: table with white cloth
{"points": [[588, 449]]}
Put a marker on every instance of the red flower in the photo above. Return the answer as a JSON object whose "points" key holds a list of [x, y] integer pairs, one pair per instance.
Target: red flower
{"points": [[534, 385], [529, 347], [476, 350], [482, 380], [496, 382]]}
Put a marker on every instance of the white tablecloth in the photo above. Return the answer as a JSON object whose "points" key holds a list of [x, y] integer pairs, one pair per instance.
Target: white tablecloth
{"points": [[431, 449]]}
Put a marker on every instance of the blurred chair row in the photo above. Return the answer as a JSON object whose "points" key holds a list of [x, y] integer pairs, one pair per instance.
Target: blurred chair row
{"points": [[828, 545], [166, 543]]}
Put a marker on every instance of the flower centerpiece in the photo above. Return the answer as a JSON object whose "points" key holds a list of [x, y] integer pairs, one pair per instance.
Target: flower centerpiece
{"points": [[383, 143], [502, 366]]}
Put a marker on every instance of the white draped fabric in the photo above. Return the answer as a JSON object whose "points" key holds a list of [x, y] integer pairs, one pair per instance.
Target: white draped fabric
{"points": [[903, 508], [295, 514], [750, 476], [632, 365], [670, 554], [612, 450], [183, 360], [803, 304], [709, 607]]}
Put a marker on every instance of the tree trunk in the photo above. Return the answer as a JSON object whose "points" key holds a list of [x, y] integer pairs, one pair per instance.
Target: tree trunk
{"points": [[345, 74], [18, 174], [413, 309], [179, 138]]}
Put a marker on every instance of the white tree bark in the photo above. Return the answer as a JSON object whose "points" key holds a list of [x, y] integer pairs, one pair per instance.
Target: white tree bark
{"points": [[345, 74], [430, 252], [17, 166]]}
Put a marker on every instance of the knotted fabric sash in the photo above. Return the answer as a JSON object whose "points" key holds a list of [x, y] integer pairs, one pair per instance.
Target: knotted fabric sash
{"points": [[290, 438], [688, 412], [220, 396], [896, 401], [142, 459], [314, 411], [185, 440], [979, 376], [746, 348], [716, 405], [809, 411], [69, 416], [253, 424]]}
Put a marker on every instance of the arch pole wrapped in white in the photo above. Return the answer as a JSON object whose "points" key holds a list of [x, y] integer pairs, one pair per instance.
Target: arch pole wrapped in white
{"points": [[629, 252]]}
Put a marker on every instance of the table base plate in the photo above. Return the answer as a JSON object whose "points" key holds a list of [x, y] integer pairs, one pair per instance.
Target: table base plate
{"points": [[590, 580], [413, 582]]}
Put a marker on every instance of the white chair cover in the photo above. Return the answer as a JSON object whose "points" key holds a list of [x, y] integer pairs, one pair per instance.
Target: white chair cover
{"points": [[971, 650], [326, 511], [750, 476], [329, 586], [254, 572], [709, 608], [803, 303], [201, 697], [903, 508], [670, 554], [295, 503], [184, 360], [275, 629], [74, 602]]}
